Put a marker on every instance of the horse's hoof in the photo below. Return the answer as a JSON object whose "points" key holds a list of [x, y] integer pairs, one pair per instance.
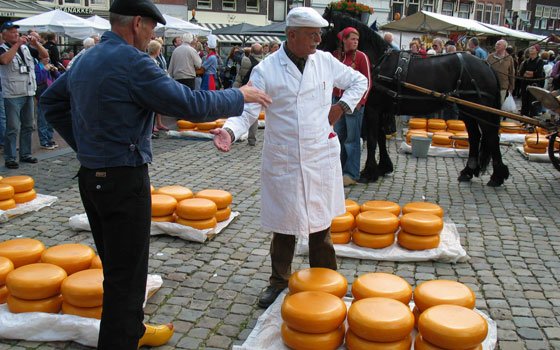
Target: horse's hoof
{"points": [[385, 170], [495, 183], [465, 177], [367, 179]]}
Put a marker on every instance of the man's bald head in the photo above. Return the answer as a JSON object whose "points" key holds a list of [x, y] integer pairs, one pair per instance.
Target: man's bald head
{"points": [[256, 49]]}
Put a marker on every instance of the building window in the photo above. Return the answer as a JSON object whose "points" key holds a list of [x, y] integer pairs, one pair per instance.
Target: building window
{"points": [[544, 21], [229, 5], [429, 5], [496, 15], [479, 12], [539, 11], [279, 10], [397, 7], [447, 8], [252, 6], [413, 6], [204, 4], [546, 12], [98, 2], [554, 12], [463, 10], [73, 2], [487, 13]]}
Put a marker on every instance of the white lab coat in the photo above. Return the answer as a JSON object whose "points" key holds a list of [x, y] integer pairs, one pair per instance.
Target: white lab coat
{"points": [[301, 175]]}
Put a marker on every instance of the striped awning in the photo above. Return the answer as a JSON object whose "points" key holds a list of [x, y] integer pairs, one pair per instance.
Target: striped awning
{"points": [[240, 38]]}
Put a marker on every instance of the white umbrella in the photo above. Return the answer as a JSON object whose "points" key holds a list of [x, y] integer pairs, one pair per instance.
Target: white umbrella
{"points": [[176, 25], [59, 22], [99, 22]]}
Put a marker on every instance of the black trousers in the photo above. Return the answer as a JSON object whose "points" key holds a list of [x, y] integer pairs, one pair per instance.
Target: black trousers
{"points": [[321, 254], [187, 82], [118, 205]]}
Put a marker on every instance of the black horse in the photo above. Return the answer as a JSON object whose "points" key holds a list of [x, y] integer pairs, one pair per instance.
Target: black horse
{"points": [[462, 75]]}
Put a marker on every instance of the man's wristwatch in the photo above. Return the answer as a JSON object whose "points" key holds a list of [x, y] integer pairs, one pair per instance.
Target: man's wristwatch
{"points": [[231, 134], [345, 107]]}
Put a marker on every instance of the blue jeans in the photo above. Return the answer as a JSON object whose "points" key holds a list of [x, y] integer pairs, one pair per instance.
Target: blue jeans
{"points": [[44, 129], [2, 121], [349, 129], [19, 120]]}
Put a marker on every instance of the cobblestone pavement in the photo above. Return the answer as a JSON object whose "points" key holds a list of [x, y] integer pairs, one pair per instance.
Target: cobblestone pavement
{"points": [[512, 235]]}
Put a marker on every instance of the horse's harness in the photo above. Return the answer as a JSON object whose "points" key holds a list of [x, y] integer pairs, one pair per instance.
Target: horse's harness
{"points": [[396, 87]]}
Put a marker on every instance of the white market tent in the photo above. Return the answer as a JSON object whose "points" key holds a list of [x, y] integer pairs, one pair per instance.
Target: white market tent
{"points": [[425, 21], [517, 34], [175, 26], [99, 22], [59, 22]]}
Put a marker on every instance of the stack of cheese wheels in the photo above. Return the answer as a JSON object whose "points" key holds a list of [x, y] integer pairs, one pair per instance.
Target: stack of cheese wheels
{"points": [[163, 207], [35, 288], [379, 323], [535, 145], [318, 279], [185, 125], [455, 126], [199, 213], [463, 143], [72, 257], [83, 294], [376, 229], [436, 125], [441, 292], [6, 266], [414, 132], [341, 228], [222, 199], [442, 139], [206, 127], [23, 188], [7, 196], [387, 206], [22, 251], [420, 231], [96, 263], [384, 285], [220, 122], [352, 207], [507, 127], [423, 207], [418, 124], [313, 320], [450, 327]]}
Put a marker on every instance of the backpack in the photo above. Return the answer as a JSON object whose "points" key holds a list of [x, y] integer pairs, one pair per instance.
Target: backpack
{"points": [[254, 62]]}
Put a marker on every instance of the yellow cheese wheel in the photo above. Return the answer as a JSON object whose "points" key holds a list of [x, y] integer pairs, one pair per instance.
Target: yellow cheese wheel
{"points": [[22, 251], [416, 242], [35, 281], [49, 305], [220, 122], [353, 342], [20, 183], [448, 145], [454, 124], [341, 237], [533, 150], [177, 192], [422, 224], [508, 124], [6, 266], [206, 126], [7, 204], [84, 288], [438, 292], [220, 197], [352, 207], [167, 218], [163, 205], [442, 138], [385, 285], [452, 327], [413, 132], [313, 312], [461, 147], [4, 294], [374, 241], [223, 214], [89, 312], [461, 143], [421, 344], [377, 222], [423, 207], [24, 197], [309, 341], [72, 257], [6, 191], [196, 209], [342, 223], [540, 142], [185, 124], [535, 135], [198, 224], [96, 263], [380, 319], [318, 279], [388, 206], [418, 123], [436, 123]]}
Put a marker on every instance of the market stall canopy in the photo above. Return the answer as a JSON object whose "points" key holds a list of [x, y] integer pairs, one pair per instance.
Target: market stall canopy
{"points": [[425, 21], [175, 26], [517, 34], [59, 22], [99, 22], [277, 29], [244, 39]]}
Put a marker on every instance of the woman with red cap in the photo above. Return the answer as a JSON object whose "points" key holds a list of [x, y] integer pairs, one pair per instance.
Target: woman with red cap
{"points": [[349, 126]]}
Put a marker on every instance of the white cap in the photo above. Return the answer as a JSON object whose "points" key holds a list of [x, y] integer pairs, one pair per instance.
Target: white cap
{"points": [[305, 17], [212, 41]]}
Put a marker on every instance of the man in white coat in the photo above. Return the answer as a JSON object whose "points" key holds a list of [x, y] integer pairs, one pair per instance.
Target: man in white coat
{"points": [[301, 175]]}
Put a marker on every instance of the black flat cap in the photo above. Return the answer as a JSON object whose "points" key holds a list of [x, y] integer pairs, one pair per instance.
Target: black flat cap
{"points": [[145, 8]]}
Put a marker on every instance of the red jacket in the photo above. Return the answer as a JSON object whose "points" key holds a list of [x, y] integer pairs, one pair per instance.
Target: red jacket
{"points": [[362, 65]]}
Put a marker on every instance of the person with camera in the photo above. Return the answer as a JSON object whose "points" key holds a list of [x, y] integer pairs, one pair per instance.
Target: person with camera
{"points": [[17, 72]]}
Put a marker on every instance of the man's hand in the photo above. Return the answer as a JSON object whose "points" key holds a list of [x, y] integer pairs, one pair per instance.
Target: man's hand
{"points": [[222, 140], [254, 95], [22, 40], [335, 113]]}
